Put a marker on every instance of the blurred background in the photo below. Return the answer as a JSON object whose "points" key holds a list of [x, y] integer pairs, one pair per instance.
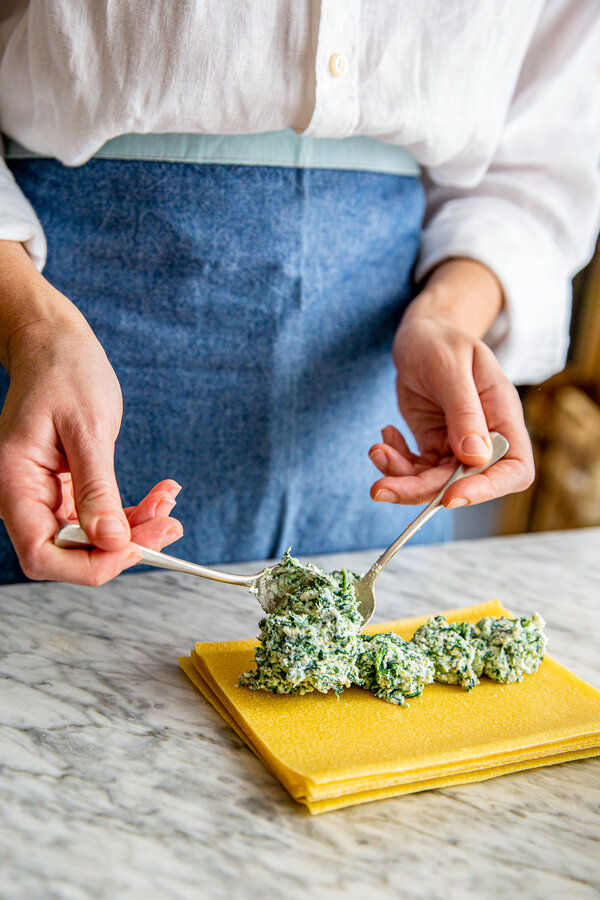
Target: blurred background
{"points": [[563, 418]]}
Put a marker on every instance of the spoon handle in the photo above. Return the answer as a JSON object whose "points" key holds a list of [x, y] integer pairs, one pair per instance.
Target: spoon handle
{"points": [[499, 447], [71, 536]]}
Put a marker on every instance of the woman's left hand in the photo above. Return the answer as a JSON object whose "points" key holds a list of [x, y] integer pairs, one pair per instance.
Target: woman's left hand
{"points": [[451, 393]]}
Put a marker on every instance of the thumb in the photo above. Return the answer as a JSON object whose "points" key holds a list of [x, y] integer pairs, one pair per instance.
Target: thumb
{"points": [[468, 433], [96, 494]]}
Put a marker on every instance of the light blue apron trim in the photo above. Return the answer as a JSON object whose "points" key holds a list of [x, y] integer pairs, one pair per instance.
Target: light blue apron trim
{"points": [[273, 148]]}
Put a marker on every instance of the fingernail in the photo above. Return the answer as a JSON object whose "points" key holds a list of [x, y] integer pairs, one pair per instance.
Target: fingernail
{"points": [[378, 457], [474, 445], [387, 496], [134, 558], [164, 507], [110, 526], [458, 501]]}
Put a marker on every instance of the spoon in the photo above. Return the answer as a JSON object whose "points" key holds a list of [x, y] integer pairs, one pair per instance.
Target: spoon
{"points": [[365, 588], [73, 536]]}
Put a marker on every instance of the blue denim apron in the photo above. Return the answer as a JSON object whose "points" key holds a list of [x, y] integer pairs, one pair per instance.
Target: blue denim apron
{"points": [[248, 312]]}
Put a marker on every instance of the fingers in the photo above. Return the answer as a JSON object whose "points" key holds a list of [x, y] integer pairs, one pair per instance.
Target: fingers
{"points": [[157, 533], [151, 522], [65, 507], [504, 413], [96, 495], [513, 473], [473, 400], [408, 478], [158, 502], [87, 567], [154, 509], [96, 567], [497, 481], [393, 457], [413, 489], [395, 439], [458, 395], [389, 461], [31, 525]]}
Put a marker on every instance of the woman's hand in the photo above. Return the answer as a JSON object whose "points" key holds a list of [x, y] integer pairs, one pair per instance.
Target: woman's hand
{"points": [[58, 428], [452, 393]]}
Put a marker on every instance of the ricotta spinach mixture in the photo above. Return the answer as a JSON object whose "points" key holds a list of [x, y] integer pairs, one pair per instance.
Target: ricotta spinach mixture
{"points": [[503, 649], [455, 649], [310, 641], [514, 647], [393, 668]]}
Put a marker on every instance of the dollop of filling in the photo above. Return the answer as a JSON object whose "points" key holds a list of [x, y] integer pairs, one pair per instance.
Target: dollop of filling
{"points": [[309, 642], [455, 648], [392, 668], [514, 647]]}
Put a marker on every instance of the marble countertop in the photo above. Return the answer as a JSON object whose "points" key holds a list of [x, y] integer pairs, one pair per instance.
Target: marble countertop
{"points": [[119, 781]]}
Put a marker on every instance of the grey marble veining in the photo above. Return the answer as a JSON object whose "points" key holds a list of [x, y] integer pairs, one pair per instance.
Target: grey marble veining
{"points": [[119, 781]]}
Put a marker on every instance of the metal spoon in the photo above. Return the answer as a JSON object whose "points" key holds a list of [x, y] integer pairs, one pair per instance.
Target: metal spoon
{"points": [[72, 536], [365, 588]]}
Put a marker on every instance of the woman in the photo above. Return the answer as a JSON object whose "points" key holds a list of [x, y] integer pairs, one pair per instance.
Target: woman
{"points": [[247, 288]]}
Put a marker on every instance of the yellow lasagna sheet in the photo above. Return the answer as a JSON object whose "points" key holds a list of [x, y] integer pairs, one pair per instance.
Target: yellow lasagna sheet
{"points": [[331, 751]]}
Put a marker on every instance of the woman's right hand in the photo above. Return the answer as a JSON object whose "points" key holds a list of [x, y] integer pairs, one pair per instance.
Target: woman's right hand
{"points": [[58, 428]]}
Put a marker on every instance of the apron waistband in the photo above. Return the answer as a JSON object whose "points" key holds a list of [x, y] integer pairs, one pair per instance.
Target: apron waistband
{"points": [[274, 148]]}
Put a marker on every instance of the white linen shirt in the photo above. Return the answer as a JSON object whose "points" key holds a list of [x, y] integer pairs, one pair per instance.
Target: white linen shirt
{"points": [[498, 100]]}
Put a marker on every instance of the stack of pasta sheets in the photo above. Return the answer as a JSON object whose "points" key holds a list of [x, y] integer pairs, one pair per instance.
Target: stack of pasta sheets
{"points": [[331, 751]]}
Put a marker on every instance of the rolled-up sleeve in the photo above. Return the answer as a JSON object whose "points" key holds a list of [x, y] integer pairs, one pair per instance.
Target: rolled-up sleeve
{"points": [[534, 216], [18, 221]]}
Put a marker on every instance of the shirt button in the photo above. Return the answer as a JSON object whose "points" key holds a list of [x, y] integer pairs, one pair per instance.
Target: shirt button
{"points": [[338, 64]]}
